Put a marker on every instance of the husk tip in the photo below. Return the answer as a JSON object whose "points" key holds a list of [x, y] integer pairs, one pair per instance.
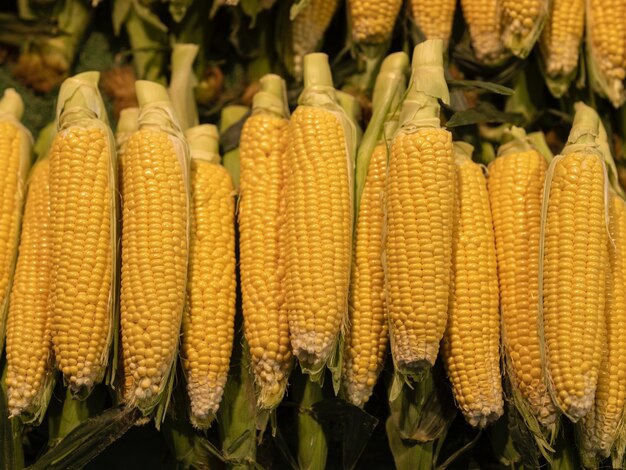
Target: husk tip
{"points": [[12, 102], [317, 70], [148, 92]]}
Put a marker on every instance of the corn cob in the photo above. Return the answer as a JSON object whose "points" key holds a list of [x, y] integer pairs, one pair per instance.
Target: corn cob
{"points": [[83, 226], [318, 218], [515, 187], [308, 27], [600, 427], [483, 20], [29, 346], [473, 360], [522, 23], [155, 247], [434, 19], [606, 48], [560, 43], [373, 21], [366, 338], [15, 149], [209, 318], [573, 254], [262, 146], [420, 209]]}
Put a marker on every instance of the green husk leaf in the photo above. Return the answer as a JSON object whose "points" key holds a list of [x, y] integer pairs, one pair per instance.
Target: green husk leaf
{"points": [[80, 104], [44, 140], [480, 86], [319, 92], [232, 120], [11, 110], [127, 123], [369, 58], [582, 138], [565, 456], [11, 452], [312, 440], [236, 417], [183, 83], [520, 45], [605, 149], [178, 9], [356, 426], [388, 91], [408, 455], [147, 36], [156, 112], [484, 112], [487, 152], [538, 141], [74, 412], [88, 439], [352, 108], [297, 7]]}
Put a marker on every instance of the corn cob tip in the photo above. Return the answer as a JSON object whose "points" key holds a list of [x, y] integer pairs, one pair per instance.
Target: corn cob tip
{"points": [[150, 92], [12, 103], [317, 71], [205, 402]]}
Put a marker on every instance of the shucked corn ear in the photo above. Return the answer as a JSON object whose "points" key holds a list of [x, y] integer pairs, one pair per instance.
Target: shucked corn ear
{"points": [[522, 23], [471, 346], [600, 427], [83, 209], [29, 346], [606, 48], [434, 19], [308, 27], [15, 150], [155, 249], [208, 321], [367, 337], [262, 149], [420, 210], [318, 218], [483, 21], [560, 43], [515, 185], [373, 21], [573, 257]]}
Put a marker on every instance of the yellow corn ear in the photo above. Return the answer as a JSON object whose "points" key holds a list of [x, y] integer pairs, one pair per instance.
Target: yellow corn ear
{"points": [[522, 23], [308, 28], [29, 345], [83, 227], [601, 424], [471, 347], [434, 19], [366, 339], [318, 233], [483, 21], [515, 188], [155, 249], [561, 36], [262, 147], [15, 149], [573, 280], [606, 47], [420, 209], [373, 21], [208, 321]]}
